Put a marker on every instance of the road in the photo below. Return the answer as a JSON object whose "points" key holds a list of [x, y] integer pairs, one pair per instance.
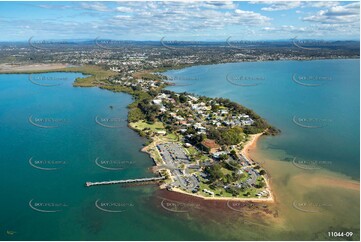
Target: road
{"points": [[174, 155]]}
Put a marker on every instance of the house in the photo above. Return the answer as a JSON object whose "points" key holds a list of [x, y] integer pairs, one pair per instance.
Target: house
{"points": [[162, 96], [162, 132], [223, 112], [179, 118], [194, 99], [199, 127], [157, 101], [216, 155], [247, 122]]}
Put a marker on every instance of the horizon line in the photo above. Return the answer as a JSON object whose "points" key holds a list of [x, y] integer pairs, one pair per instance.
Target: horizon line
{"points": [[181, 40]]}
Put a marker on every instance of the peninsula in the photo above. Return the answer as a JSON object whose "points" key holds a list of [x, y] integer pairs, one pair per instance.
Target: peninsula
{"points": [[199, 144]]}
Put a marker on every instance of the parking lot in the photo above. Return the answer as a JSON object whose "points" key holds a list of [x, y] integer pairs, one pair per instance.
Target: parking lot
{"points": [[174, 155]]}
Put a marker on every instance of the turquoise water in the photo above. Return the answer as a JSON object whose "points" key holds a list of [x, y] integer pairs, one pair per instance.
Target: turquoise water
{"points": [[327, 104], [76, 140]]}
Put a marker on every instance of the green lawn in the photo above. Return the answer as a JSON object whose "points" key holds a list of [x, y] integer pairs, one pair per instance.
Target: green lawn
{"points": [[157, 126], [226, 171], [223, 193], [216, 191], [191, 150], [203, 158], [157, 157], [172, 136]]}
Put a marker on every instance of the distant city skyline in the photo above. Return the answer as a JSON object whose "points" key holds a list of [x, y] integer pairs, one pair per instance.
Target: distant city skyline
{"points": [[188, 21]]}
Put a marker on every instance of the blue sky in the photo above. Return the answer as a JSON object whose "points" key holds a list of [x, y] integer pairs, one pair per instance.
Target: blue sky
{"points": [[199, 20]]}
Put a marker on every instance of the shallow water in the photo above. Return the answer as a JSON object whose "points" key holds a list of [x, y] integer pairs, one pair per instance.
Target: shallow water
{"points": [[79, 140]]}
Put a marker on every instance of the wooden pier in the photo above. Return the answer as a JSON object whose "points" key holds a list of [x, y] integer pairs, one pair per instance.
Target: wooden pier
{"points": [[139, 180]]}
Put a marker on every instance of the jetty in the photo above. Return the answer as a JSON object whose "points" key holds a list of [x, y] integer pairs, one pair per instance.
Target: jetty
{"points": [[139, 180]]}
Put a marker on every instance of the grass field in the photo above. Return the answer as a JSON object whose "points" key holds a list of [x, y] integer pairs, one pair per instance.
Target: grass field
{"points": [[173, 137], [141, 125], [191, 150]]}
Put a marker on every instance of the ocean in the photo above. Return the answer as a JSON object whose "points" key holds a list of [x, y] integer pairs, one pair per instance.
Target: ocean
{"points": [[314, 103], [55, 137]]}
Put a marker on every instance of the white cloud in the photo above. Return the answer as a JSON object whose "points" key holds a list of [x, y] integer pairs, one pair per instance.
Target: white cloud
{"points": [[219, 4], [323, 4], [252, 17], [124, 9], [94, 6], [122, 17], [187, 20], [349, 13], [48, 6], [277, 6]]}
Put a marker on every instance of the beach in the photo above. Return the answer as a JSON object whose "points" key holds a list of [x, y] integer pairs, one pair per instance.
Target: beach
{"points": [[336, 196], [248, 146]]}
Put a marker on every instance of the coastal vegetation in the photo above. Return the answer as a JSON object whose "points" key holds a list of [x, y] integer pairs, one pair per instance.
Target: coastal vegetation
{"points": [[208, 132]]}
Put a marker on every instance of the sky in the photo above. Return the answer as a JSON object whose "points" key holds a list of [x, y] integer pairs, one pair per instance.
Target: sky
{"points": [[191, 21]]}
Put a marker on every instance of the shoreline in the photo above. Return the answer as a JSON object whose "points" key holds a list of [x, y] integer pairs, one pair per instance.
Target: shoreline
{"points": [[269, 200], [155, 71], [158, 164], [250, 145]]}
